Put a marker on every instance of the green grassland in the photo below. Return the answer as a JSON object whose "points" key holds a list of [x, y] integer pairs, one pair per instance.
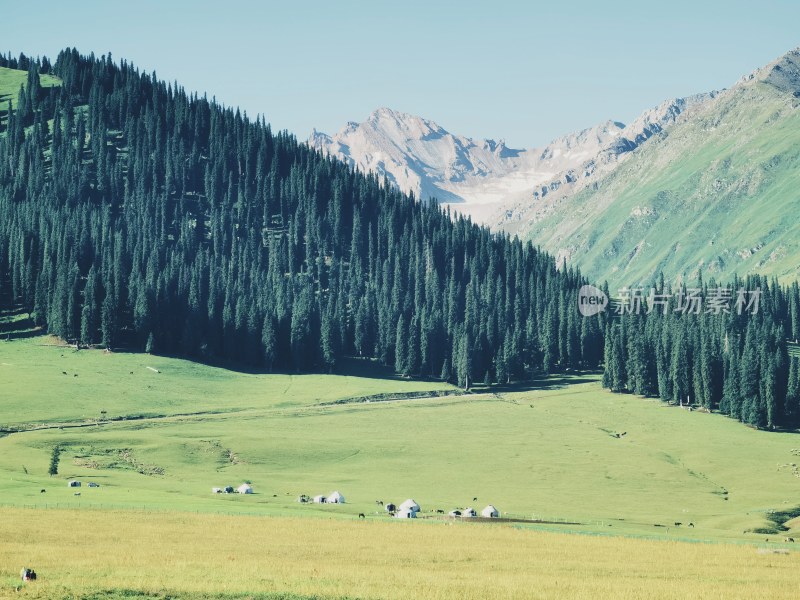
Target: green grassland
{"points": [[158, 433], [547, 452], [12, 79], [717, 191]]}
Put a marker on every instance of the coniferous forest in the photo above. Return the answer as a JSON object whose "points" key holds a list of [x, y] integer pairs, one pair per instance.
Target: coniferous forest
{"points": [[136, 215], [733, 361]]}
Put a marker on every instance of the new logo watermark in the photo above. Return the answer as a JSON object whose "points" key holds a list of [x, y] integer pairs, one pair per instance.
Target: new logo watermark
{"points": [[591, 300], [634, 301]]}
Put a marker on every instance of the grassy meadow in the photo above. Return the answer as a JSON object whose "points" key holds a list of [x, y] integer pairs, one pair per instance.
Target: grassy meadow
{"points": [[114, 554], [157, 433]]}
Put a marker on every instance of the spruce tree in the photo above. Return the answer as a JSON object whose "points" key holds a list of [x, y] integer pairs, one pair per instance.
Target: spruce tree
{"points": [[55, 457]]}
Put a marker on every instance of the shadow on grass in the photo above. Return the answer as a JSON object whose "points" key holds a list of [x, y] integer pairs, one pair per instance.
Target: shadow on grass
{"points": [[10, 313], [13, 326], [556, 381], [21, 334], [350, 366]]}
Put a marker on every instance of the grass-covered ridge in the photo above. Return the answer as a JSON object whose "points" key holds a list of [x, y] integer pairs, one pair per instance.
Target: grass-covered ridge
{"points": [[717, 191], [12, 79]]}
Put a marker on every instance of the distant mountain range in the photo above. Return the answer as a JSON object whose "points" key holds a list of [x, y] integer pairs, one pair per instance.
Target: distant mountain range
{"points": [[672, 191], [485, 178]]}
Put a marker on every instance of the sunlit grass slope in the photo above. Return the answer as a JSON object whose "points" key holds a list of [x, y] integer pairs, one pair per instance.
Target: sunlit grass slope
{"points": [[717, 191]]}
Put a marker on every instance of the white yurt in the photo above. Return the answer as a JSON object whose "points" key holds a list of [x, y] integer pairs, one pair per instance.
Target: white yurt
{"points": [[319, 499], [490, 512], [335, 498], [405, 514], [409, 505], [244, 489], [469, 512]]}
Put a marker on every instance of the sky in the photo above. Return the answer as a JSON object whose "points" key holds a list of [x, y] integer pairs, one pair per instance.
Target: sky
{"points": [[526, 72]]}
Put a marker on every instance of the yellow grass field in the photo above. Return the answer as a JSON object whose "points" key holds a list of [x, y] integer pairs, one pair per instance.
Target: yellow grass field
{"points": [[124, 554]]}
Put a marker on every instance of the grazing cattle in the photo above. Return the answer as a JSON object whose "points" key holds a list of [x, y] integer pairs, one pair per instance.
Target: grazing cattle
{"points": [[691, 524], [789, 540], [42, 491], [440, 511], [63, 372], [475, 499], [677, 524], [74, 374], [361, 516], [77, 494], [379, 502]]}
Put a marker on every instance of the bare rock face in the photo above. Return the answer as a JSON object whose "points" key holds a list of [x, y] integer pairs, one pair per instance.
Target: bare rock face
{"points": [[784, 74]]}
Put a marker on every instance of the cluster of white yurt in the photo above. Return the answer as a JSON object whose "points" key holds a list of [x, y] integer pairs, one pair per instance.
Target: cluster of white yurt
{"points": [[410, 508], [490, 512], [407, 510], [332, 498], [245, 488]]}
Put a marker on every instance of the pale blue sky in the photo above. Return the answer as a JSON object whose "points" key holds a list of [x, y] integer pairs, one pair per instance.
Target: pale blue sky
{"points": [[523, 71]]}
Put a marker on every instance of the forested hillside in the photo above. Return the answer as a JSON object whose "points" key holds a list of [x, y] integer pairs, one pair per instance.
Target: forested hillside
{"points": [[137, 215], [713, 347]]}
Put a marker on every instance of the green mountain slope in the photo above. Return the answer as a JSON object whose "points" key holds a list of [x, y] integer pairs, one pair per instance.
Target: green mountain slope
{"points": [[719, 191]]}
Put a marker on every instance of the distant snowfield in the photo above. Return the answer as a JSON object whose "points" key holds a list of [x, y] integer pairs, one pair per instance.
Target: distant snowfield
{"points": [[484, 179]]}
